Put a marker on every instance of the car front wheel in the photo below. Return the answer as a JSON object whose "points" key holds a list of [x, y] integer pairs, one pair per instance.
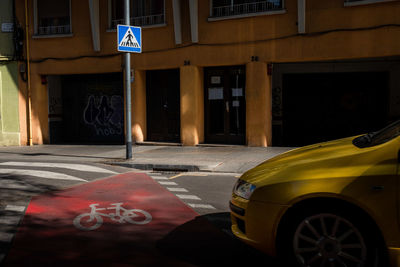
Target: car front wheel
{"points": [[330, 239]]}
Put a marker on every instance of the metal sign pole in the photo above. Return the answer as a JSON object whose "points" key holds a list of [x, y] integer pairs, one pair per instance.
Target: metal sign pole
{"points": [[128, 91]]}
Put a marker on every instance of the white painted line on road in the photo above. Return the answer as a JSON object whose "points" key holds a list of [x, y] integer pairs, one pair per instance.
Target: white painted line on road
{"points": [[10, 220], [10, 184], [176, 189], [192, 197], [77, 167], [6, 237], [201, 206], [167, 183], [15, 208], [42, 174], [160, 178]]}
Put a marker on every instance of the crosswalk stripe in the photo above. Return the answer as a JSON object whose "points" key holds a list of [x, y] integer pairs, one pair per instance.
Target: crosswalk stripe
{"points": [[167, 183], [176, 189], [42, 174], [201, 206], [159, 178], [192, 197], [15, 208], [77, 167], [10, 184], [9, 220], [6, 237]]}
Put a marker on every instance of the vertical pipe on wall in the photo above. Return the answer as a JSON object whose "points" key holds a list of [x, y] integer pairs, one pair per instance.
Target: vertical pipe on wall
{"points": [[28, 75], [301, 16]]}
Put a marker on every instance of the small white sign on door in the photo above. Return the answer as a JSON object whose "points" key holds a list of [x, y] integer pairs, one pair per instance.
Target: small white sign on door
{"points": [[235, 103], [215, 93], [237, 91], [215, 79]]}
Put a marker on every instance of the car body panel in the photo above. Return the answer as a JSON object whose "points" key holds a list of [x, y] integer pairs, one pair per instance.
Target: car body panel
{"points": [[365, 177]]}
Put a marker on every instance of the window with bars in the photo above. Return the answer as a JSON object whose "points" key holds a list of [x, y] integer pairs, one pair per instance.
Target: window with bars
{"points": [[143, 12], [52, 17], [226, 8]]}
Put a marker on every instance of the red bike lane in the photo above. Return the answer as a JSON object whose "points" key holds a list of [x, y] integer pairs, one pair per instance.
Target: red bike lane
{"points": [[115, 221]]}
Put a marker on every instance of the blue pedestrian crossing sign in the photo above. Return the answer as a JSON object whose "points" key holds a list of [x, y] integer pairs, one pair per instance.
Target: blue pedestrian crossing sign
{"points": [[129, 38]]}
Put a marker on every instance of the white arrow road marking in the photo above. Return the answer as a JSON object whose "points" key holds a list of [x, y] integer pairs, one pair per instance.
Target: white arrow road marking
{"points": [[77, 167], [42, 174]]}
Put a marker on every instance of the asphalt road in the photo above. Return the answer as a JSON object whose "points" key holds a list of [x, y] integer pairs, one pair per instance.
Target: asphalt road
{"points": [[202, 238]]}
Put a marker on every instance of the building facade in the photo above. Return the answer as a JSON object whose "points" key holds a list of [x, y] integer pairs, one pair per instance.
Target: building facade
{"points": [[257, 73], [9, 94]]}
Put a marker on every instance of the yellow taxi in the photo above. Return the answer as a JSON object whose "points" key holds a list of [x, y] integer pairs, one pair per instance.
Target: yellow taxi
{"points": [[329, 204]]}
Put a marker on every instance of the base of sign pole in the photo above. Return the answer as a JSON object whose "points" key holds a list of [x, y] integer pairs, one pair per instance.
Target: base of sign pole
{"points": [[128, 150]]}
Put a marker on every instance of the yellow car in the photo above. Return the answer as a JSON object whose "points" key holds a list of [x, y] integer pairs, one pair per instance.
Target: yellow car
{"points": [[329, 204]]}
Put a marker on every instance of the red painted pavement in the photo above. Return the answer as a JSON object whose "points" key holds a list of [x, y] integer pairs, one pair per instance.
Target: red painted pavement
{"points": [[48, 236]]}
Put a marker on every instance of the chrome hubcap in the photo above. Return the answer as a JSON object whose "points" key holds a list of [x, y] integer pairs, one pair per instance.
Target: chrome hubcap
{"points": [[329, 240]]}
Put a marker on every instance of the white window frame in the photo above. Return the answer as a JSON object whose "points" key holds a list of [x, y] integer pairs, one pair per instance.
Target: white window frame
{"points": [[274, 12], [109, 29], [366, 2], [36, 25]]}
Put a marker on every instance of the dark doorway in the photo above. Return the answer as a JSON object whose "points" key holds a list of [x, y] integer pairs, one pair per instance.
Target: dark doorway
{"points": [[92, 108], [225, 105], [163, 105], [319, 107]]}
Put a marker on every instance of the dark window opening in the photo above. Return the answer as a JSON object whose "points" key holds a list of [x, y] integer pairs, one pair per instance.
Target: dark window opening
{"points": [[224, 8], [53, 17], [143, 13]]}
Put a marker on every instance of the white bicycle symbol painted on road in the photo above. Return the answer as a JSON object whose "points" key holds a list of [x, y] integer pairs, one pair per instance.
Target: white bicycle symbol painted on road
{"points": [[93, 219]]}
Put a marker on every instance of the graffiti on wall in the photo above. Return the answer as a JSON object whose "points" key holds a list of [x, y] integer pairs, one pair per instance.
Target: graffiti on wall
{"points": [[105, 114], [55, 105]]}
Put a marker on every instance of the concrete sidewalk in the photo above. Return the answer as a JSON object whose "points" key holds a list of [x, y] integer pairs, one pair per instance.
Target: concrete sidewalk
{"points": [[233, 159]]}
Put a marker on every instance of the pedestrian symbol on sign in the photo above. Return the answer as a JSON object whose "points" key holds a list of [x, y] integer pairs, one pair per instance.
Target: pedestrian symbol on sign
{"points": [[129, 39]]}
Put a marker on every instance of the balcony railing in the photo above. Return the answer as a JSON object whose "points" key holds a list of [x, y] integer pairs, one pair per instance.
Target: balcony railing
{"points": [[141, 21], [247, 8], [50, 30]]}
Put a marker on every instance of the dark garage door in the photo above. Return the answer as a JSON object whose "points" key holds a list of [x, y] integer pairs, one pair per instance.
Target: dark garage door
{"points": [[93, 109], [324, 106]]}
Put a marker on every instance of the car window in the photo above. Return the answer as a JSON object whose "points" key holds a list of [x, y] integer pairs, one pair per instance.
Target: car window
{"points": [[378, 137]]}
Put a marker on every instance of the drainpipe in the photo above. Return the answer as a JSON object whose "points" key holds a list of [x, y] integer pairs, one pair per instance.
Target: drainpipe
{"points": [[28, 74]]}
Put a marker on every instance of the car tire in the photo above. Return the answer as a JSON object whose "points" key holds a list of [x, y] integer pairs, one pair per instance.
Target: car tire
{"points": [[329, 237]]}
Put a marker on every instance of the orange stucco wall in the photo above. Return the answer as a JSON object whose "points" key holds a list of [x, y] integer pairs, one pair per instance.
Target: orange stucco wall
{"points": [[192, 107], [273, 38], [139, 107], [258, 114]]}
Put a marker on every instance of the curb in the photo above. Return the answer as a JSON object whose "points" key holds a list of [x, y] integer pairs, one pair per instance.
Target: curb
{"points": [[165, 167]]}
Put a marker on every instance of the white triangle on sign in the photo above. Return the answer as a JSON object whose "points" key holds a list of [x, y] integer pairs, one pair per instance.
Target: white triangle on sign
{"points": [[129, 40]]}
